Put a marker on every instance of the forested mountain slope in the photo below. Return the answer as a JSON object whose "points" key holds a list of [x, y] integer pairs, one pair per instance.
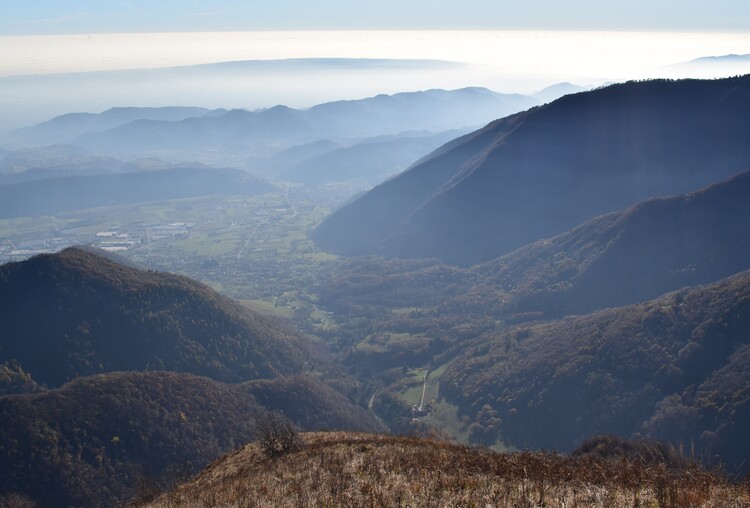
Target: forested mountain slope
{"points": [[76, 313], [672, 368]]}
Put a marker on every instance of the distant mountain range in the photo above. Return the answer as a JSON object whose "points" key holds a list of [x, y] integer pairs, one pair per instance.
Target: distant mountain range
{"points": [[250, 83], [370, 161], [540, 172], [143, 129], [712, 66], [558, 90], [63, 129]]}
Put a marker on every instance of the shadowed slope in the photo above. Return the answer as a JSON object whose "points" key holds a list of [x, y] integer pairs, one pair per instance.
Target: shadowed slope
{"points": [[626, 257], [541, 172]]}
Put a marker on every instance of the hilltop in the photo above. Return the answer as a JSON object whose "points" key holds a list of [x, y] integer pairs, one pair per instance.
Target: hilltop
{"points": [[77, 313], [346, 469]]}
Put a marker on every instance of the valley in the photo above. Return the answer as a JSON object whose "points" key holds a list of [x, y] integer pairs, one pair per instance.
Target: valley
{"points": [[454, 300]]}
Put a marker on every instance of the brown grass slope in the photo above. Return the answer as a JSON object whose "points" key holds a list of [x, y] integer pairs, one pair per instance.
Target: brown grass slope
{"points": [[76, 313], [674, 368], [375, 470]]}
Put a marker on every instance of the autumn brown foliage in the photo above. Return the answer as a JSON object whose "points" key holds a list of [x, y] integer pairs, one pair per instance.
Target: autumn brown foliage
{"points": [[376, 470]]}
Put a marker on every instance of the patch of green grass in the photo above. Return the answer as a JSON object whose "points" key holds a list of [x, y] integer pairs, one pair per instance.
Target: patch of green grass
{"points": [[267, 307]]}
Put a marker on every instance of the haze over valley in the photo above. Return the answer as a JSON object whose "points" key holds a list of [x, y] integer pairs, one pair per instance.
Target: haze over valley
{"points": [[292, 259]]}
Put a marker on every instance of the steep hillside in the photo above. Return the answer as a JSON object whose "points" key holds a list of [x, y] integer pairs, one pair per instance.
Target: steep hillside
{"points": [[673, 368], [52, 195], [76, 313], [345, 469], [541, 172], [625, 257], [360, 226]]}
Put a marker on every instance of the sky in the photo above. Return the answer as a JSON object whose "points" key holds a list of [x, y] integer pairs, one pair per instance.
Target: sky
{"points": [[38, 17], [58, 56]]}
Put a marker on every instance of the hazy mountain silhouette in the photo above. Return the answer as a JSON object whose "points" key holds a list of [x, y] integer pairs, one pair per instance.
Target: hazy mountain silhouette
{"points": [[630, 256], [371, 161], [53, 195], [53, 161], [712, 66], [258, 83], [298, 153], [431, 110], [64, 128], [229, 130], [554, 92], [538, 173]]}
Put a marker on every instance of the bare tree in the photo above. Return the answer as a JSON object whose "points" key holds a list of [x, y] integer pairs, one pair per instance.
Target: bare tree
{"points": [[276, 434]]}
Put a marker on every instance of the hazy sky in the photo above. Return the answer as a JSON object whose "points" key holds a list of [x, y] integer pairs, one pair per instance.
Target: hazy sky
{"points": [[508, 46], [105, 16]]}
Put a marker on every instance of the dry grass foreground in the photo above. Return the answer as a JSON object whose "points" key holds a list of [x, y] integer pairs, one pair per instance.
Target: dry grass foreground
{"points": [[355, 469]]}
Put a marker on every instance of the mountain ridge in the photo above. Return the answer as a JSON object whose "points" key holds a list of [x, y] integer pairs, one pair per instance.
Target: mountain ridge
{"points": [[435, 110], [559, 164], [624, 257]]}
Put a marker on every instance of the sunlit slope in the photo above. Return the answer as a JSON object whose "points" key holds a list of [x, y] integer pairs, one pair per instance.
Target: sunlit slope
{"points": [[346, 469]]}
